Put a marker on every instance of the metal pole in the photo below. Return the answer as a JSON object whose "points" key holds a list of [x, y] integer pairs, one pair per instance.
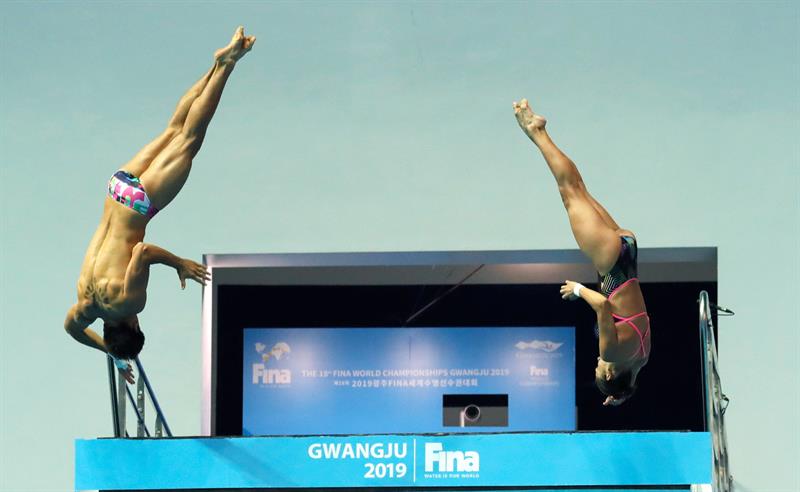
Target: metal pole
{"points": [[705, 315], [141, 428], [113, 390], [122, 386], [143, 375], [712, 387]]}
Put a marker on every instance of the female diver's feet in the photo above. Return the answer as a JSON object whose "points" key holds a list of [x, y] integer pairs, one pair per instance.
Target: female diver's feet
{"points": [[531, 123], [237, 48]]}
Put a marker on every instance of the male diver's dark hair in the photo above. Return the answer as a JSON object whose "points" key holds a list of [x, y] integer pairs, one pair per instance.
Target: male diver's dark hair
{"points": [[123, 340], [621, 387]]}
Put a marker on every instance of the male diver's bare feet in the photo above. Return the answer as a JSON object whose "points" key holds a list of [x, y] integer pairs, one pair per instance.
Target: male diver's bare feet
{"points": [[237, 48], [531, 123]]}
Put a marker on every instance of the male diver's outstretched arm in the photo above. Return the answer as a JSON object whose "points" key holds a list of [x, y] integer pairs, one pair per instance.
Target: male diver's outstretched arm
{"points": [[77, 325], [144, 255]]}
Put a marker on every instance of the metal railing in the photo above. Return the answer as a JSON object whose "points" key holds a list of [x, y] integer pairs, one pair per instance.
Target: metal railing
{"points": [[715, 400], [119, 389]]}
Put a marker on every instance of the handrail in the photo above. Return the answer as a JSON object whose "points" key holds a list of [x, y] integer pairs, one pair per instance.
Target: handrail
{"points": [[143, 377], [112, 387], [715, 402], [116, 385]]}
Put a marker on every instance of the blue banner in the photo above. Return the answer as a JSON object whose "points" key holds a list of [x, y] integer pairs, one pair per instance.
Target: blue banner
{"points": [[394, 380], [475, 460]]}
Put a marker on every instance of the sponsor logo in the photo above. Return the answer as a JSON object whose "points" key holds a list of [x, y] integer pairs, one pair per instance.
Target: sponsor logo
{"points": [[546, 345], [439, 460], [541, 372], [278, 351], [272, 376]]}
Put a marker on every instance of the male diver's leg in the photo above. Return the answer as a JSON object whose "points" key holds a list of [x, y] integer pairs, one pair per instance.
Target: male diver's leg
{"points": [[169, 170], [142, 160]]}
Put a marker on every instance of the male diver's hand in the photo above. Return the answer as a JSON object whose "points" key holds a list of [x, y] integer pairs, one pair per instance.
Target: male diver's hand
{"points": [[124, 368], [127, 374], [192, 270]]}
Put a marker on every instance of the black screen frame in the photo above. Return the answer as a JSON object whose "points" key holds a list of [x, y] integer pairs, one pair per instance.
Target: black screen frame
{"points": [[501, 288]]}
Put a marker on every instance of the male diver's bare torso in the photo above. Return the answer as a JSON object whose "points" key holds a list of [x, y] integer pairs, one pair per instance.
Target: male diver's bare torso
{"points": [[101, 284]]}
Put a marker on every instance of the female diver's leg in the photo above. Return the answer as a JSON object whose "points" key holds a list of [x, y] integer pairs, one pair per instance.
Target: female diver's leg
{"points": [[142, 160], [595, 236], [607, 217], [602, 211], [169, 170]]}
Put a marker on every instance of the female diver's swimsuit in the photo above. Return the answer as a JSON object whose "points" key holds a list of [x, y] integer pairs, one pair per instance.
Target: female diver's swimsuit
{"points": [[623, 270], [622, 273], [126, 189]]}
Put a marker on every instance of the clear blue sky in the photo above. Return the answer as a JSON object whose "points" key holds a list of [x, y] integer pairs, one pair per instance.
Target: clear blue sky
{"points": [[388, 126]]}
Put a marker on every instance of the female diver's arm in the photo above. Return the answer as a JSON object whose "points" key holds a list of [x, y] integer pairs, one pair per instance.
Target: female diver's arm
{"points": [[609, 342]]}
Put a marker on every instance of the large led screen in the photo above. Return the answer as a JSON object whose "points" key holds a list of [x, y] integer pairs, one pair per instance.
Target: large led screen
{"points": [[396, 380]]}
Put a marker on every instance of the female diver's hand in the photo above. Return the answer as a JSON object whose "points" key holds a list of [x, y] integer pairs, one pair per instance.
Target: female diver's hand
{"points": [[567, 290], [193, 270]]}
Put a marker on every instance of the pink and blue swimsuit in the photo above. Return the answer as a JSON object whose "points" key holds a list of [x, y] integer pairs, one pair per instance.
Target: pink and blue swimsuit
{"points": [[623, 272], [126, 189]]}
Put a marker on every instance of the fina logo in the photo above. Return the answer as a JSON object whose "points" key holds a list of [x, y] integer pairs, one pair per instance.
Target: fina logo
{"points": [[449, 461], [546, 346], [278, 350], [272, 376]]}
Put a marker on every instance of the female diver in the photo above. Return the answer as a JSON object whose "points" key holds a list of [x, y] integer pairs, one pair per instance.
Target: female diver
{"points": [[623, 324]]}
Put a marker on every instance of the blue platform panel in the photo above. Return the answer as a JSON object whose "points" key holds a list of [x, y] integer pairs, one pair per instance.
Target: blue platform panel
{"points": [[392, 380], [401, 461]]}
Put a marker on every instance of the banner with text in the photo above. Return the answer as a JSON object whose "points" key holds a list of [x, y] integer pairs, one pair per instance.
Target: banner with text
{"points": [[518, 459], [379, 380]]}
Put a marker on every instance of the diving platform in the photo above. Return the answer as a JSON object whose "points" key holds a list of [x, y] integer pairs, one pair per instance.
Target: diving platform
{"points": [[280, 330], [477, 461]]}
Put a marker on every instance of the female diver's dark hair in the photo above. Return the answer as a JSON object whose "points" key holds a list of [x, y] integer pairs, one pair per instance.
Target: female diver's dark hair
{"points": [[122, 340], [621, 387]]}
